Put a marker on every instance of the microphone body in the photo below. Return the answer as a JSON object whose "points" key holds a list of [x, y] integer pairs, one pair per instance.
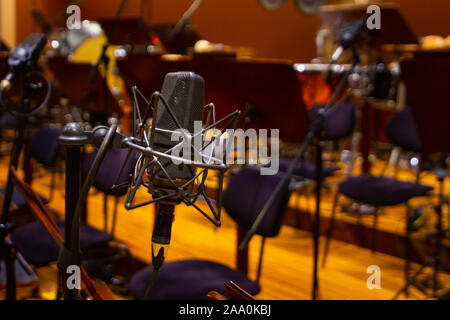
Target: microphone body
{"points": [[24, 57], [162, 230], [184, 94]]}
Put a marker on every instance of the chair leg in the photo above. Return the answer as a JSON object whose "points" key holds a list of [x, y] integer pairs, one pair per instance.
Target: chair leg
{"points": [[105, 212], [330, 229], [374, 231], [52, 184], [113, 227], [362, 239], [407, 250], [306, 195], [261, 253]]}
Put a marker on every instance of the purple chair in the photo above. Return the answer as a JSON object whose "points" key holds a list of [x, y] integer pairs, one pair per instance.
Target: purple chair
{"points": [[243, 199], [401, 131], [379, 191], [107, 176], [306, 170], [44, 148], [39, 249], [7, 122], [338, 125], [37, 246]]}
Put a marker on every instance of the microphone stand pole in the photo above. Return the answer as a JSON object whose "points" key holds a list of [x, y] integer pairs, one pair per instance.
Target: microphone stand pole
{"points": [[315, 133], [74, 139], [7, 253]]}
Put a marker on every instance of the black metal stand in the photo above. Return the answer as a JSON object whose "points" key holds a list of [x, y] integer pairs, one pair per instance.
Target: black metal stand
{"points": [[316, 232], [315, 133], [74, 139], [160, 241], [432, 261], [10, 257], [14, 160]]}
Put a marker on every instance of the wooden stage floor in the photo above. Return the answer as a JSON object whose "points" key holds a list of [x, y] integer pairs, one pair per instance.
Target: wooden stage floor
{"points": [[287, 266]]}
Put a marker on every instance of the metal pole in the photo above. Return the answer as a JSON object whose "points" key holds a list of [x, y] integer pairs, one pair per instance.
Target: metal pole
{"points": [[14, 160], [73, 138], [316, 231]]}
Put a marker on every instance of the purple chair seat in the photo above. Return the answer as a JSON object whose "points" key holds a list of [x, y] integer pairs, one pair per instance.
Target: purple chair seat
{"points": [[189, 280], [381, 191], [38, 248], [19, 200], [306, 170]]}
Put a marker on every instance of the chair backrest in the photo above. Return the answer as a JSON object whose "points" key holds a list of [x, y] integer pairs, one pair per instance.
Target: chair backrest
{"points": [[109, 170], [401, 131], [340, 123], [246, 194], [44, 145]]}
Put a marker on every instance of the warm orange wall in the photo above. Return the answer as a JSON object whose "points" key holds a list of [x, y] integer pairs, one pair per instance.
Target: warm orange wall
{"points": [[50, 8], [281, 34], [8, 22], [427, 17]]}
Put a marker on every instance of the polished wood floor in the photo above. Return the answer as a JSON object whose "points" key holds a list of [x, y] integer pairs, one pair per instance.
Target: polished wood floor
{"points": [[287, 266]]}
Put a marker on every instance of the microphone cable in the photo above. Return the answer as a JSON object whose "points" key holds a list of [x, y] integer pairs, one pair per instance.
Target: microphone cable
{"points": [[151, 285], [35, 110]]}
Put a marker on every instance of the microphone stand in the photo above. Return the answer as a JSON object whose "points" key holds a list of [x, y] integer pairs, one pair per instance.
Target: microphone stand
{"points": [[185, 21], [7, 253], [74, 138], [316, 132]]}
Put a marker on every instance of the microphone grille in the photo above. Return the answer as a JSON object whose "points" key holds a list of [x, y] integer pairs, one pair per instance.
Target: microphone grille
{"points": [[184, 93]]}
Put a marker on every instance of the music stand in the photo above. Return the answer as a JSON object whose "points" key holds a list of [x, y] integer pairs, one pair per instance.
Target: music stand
{"points": [[426, 80], [394, 28], [127, 31], [97, 99]]}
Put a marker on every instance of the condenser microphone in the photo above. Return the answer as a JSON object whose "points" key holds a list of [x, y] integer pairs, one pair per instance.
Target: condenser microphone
{"points": [[349, 37], [24, 58], [180, 104]]}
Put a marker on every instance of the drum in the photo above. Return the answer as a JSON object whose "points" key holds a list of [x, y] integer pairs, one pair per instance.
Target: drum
{"points": [[314, 82]]}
